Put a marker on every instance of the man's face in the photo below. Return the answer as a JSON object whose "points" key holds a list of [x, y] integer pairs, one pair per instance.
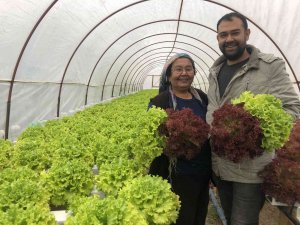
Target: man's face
{"points": [[232, 38]]}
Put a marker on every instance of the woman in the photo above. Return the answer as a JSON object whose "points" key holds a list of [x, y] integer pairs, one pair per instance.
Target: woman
{"points": [[191, 178]]}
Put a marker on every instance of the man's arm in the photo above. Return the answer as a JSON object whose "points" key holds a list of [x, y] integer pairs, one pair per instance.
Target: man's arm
{"points": [[282, 88]]}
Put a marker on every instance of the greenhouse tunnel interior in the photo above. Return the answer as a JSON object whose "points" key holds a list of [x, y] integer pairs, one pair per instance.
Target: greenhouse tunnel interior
{"points": [[58, 57]]}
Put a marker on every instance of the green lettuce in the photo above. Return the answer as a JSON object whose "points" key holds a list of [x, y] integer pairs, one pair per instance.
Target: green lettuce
{"points": [[275, 123], [153, 196]]}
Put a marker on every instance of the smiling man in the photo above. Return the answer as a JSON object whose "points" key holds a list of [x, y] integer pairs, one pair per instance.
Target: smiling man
{"points": [[242, 68], [232, 37]]}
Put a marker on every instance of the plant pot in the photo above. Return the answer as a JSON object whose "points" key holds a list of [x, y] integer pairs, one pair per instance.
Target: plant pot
{"points": [[60, 216]]}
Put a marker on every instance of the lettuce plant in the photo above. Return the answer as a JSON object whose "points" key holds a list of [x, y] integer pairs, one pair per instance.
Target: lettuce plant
{"points": [[131, 137], [152, 196], [107, 150], [21, 187], [276, 124], [282, 180], [282, 176], [6, 152], [185, 133], [70, 148], [112, 175], [33, 152], [291, 149], [35, 214], [90, 211], [236, 134], [106, 211], [32, 132], [68, 178], [257, 123], [146, 143], [31, 149], [121, 212]]}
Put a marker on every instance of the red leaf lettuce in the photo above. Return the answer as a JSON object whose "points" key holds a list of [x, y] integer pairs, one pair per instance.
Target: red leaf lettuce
{"points": [[235, 133], [185, 133]]}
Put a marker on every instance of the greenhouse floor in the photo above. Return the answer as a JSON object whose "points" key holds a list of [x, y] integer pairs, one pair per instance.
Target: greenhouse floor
{"points": [[270, 215]]}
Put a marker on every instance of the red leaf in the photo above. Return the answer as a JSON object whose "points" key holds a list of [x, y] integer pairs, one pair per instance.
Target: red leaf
{"points": [[185, 133], [235, 133]]}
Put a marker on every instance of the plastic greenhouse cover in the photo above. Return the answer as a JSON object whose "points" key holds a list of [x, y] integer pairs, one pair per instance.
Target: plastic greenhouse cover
{"points": [[58, 56]]}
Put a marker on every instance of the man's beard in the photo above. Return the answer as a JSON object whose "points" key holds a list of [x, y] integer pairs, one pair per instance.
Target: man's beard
{"points": [[233, 55]]}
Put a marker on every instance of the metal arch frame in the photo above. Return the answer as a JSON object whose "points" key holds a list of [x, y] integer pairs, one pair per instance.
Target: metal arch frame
{"points": [[265, 33], [157, 35], [145, 68], [172, 48], [187, 51], [180, 10], [160, 61], [22, 52], [150, 66], [8, 107], [107, 74], [141, 60], [135, 28], [149, 60], [132, 84], [177, 29], [143, 77], [150, 50], [96, 26], [141, 80], [194, 61], [151, 45], [92, 73], [161, 42]]}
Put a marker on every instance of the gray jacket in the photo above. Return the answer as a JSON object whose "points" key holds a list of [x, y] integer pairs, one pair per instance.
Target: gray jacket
{"points": [[262, 74]]}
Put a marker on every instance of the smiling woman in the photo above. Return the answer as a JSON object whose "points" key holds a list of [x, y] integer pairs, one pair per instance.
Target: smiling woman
{"points": [[182, 77], [189, 176]]}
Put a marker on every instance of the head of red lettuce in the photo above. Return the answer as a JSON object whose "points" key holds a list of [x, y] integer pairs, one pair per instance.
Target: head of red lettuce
{"points": [[236, 134], [185, 133]]}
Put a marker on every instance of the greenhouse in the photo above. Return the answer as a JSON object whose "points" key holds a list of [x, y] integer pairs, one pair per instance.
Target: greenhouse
{"points": [[76, 79]]}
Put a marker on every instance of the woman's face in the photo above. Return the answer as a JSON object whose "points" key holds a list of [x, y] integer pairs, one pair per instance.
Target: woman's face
{"points": [[182, 74]]}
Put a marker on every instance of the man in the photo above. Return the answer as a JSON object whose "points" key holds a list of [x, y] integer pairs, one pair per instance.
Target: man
{"points": [[243, 67]]}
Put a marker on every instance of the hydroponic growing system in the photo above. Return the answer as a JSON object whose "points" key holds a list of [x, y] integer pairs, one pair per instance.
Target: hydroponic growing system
{"points": [[75, 132]]}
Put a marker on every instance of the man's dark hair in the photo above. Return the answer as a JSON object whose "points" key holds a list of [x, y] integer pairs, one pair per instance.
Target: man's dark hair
{"points": [[229, 16]]}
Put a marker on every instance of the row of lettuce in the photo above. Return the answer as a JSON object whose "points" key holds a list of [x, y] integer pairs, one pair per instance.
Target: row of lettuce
{"points": [[51, 165]]}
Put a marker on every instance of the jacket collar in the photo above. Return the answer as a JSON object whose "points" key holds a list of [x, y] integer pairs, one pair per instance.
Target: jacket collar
{"points": [[252, 63]]}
